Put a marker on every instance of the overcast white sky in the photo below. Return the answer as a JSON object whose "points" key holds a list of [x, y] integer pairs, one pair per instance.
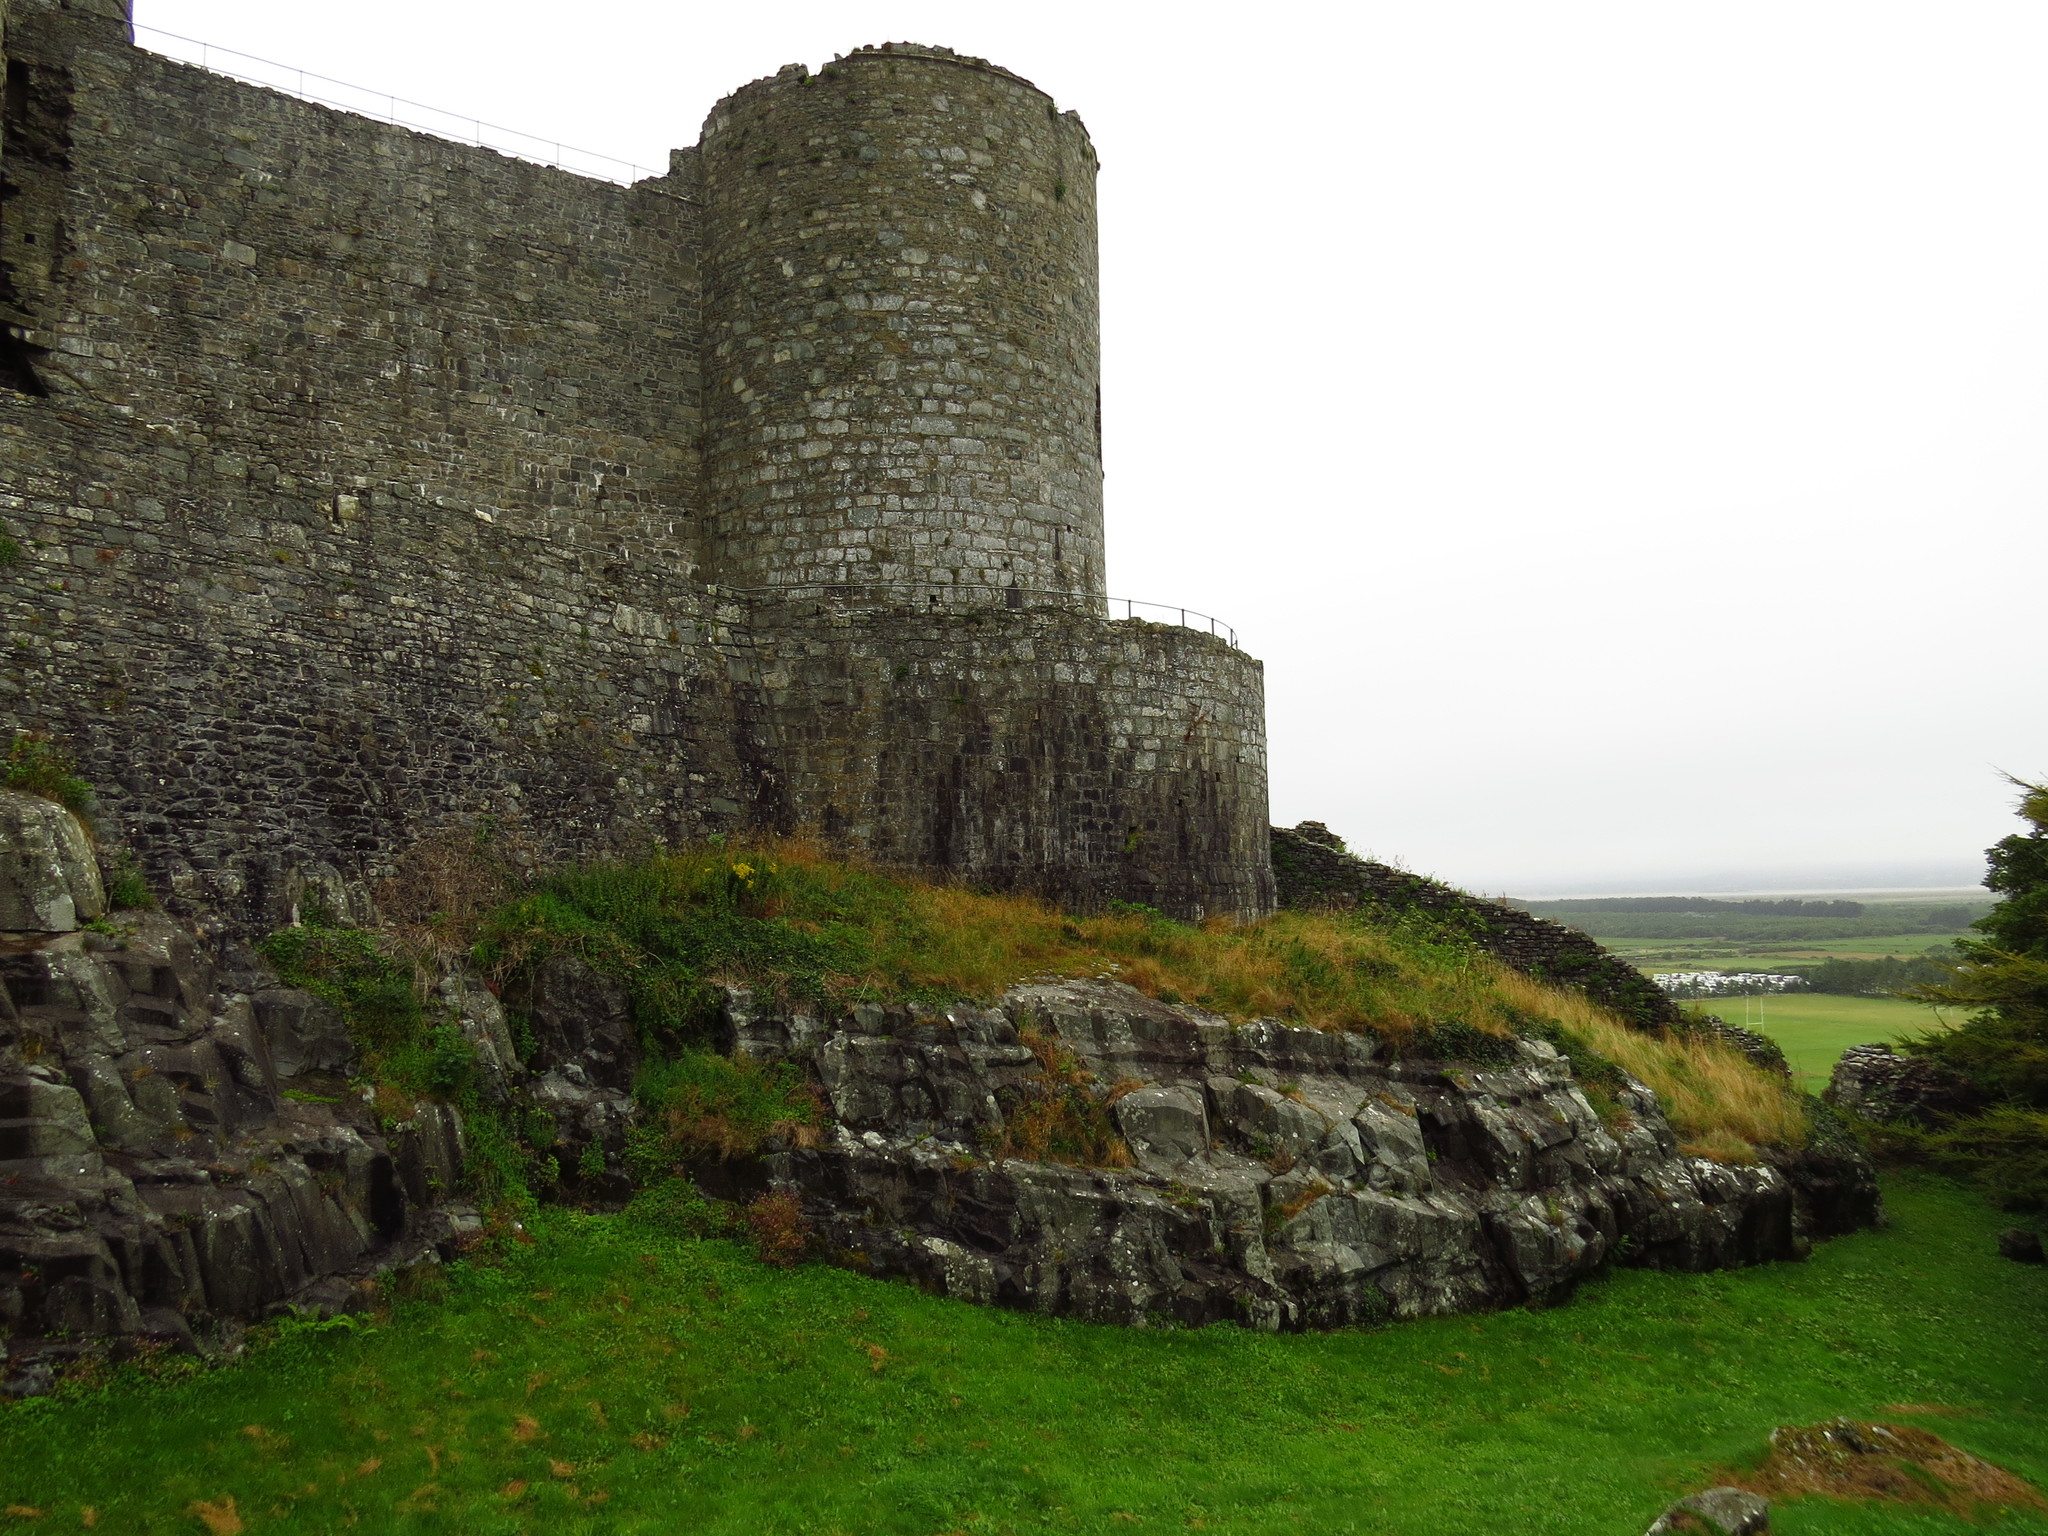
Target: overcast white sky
{"points": [[1618, 427]]}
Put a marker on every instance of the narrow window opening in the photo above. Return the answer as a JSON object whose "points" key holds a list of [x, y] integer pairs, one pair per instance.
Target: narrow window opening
{"points": [[35, 145], [18, 362]]}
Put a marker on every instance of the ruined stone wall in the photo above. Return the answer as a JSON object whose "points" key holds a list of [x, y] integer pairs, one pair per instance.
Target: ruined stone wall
{"points": [[1312, 869], [901, 317]]}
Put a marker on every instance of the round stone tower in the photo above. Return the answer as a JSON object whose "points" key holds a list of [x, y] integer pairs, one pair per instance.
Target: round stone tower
{"points": [[900, 303]]}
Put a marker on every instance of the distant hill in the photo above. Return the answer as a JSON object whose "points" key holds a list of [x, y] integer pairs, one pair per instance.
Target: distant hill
{"points": [[1785, 908], [1756, 921]]}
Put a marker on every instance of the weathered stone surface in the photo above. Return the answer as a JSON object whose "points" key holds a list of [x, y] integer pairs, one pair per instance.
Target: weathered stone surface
{"points": [[156, 1180], [303, 1033], [1282, 1177], [586, 1052], [1874, 1082], [49, 879], [482, 1017], [1716, 1512], [582, 1023]]}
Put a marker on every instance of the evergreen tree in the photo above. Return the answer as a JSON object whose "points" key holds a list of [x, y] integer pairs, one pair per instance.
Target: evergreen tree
{"points": [[2002, 1051]]}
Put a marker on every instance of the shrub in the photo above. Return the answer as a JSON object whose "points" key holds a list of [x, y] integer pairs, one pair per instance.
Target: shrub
{"points": [[127, 889], [443, 887], [38, 766], [2002, 1050], [780, 1232], [676, 1206], [702, 1103]]}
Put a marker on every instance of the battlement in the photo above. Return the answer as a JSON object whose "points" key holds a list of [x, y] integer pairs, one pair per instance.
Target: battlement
{"points": [[369, 484]]}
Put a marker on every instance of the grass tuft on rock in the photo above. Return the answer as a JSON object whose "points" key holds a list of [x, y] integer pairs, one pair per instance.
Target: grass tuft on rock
{"points": [[701, 1103], [1721, 1104], [36, 765]]}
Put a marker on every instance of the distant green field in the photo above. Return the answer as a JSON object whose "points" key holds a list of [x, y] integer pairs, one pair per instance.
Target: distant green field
{"points": [[610, 1381], [1814, 1028], [1724, 955]]}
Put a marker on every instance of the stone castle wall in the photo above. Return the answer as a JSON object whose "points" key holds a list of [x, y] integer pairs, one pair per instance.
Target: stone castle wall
{"points": [[1039, 749], [358, 483]]}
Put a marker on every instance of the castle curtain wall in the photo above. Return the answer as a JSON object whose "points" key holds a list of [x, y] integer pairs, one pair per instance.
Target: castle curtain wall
{"points": [[357, 477], [362, 496]]}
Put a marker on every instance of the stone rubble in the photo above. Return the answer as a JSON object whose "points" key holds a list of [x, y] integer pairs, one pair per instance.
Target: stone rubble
{"points": [[1874, 1082]]}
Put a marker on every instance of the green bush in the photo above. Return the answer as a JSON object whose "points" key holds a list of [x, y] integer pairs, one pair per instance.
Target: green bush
{"points": [[701, 1103], [2002, 1050], [38, 766], [677, 1207], [127, 890], [348, 968]]}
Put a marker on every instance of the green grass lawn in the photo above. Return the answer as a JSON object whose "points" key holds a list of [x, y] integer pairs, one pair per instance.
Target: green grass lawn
{"points": [[607, 1378], [1814, 1028]]}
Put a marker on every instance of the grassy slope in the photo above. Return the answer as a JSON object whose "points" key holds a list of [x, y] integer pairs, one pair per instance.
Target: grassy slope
{"points": [[818, 1401], [784, 917], [1816, 1027]]}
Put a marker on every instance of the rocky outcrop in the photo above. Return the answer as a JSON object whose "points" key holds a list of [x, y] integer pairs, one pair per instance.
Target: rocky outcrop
{"points": [[182, 1147], [1874, 1082], [49, 880], [1281, 1177], [585, 1051]]}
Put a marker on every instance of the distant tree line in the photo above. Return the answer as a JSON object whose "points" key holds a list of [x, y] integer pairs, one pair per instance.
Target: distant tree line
{"points": [[1873, 978], [1770, 930], [1701, 904]]}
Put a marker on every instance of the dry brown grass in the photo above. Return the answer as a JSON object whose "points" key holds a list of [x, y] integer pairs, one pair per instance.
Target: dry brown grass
{"points": [[1722, 1105], [443, 887], [1318, 969], [781, 1234], [1062, 1118], [1893, 1463]]}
